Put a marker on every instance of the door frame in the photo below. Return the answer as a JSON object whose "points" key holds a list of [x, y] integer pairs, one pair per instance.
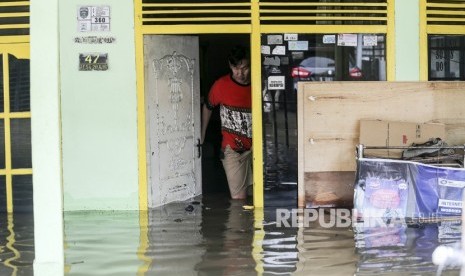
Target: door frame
{"points": [[141, 31]]}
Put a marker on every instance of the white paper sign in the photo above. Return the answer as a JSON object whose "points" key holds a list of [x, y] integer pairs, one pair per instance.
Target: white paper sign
{"points": [[276, 83], [279, 50], [288, 37], [298, 45], [266, 50], [275, 39], [347, 40], [274, 61], [370, 40], [93, 18], [329, 39]]}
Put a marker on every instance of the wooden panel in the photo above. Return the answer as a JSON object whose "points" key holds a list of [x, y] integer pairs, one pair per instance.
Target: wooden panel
{"points": [[332, 113], [325, 189], [449, 98], [329, 123]]}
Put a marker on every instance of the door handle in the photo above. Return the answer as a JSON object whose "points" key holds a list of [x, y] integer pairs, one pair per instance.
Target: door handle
{"points": [[199, 148]]}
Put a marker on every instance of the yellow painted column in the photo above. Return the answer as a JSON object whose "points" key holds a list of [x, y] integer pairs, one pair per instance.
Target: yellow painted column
{"points": [[257, 131], [258, 237], [391, 42], [7, 134], [423, 42], [142, 159]]}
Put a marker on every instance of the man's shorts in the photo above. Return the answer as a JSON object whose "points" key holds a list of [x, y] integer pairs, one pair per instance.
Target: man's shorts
{"points": [[238, 168]]}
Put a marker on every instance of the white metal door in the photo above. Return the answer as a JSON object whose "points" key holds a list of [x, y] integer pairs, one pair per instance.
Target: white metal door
{"points": [[172, 95]]}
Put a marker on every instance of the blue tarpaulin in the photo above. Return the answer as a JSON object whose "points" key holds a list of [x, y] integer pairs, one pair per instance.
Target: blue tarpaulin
{"points": [[397, 189]]}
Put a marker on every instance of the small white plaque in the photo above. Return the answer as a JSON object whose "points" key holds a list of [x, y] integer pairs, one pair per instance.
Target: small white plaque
{"points": [[276, 83]]}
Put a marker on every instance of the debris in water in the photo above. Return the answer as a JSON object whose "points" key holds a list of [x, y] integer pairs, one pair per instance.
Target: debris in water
{"points": [[189, 208]]}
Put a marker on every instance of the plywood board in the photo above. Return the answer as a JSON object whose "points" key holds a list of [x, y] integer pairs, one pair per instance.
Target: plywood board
{"points": [[330, 112]]}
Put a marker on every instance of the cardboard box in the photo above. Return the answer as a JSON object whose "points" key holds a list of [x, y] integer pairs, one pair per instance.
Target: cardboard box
{"points": [[380, 133]]}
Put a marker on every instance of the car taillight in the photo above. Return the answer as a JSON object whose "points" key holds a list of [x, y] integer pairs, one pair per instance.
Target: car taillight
{"points": [[355, 73], [299, 72]]}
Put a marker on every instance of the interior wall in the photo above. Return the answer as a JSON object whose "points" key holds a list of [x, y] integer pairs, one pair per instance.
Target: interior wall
{"points": [[99, 122]]}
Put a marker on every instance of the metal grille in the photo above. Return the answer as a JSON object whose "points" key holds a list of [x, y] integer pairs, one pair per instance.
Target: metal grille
{"points": [[272, 12], [445, 12], [324, 12], [14, 18], [174, 12]]}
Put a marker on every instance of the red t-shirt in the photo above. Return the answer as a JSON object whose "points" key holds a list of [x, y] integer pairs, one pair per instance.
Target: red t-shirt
{"points": [[235, 104]]}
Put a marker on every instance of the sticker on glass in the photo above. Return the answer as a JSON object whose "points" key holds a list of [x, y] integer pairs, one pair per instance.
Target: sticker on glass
{"points": [[274, 61], [288, 37], [276, 83], [265, 50], [298, 45], [370, 40], [347, 40], [275, 39], [329, 39], [279, 50]]}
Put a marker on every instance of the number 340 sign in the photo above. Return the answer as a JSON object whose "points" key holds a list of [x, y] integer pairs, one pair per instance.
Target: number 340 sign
{"points": [[93, 18]]}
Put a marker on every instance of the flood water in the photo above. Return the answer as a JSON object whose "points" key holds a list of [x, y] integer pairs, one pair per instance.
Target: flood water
{"points": [[217, 236], [16, 244]]}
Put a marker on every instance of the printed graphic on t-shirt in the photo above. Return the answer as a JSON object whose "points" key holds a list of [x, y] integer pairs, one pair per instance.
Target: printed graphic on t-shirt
{"points": [[236, 120]]}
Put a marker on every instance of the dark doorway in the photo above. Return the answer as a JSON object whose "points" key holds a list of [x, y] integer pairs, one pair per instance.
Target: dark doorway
{"points": [[213, 64]]}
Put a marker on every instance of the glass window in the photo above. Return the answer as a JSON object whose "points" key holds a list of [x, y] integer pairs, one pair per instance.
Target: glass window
{"points": [[2, 194], [2, 144], [22, 193], [445, 54], [19, 84], [290, 58], [21, 143]]}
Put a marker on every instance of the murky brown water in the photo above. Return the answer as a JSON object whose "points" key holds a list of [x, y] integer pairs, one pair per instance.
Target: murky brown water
{"points": [[216, 236]]}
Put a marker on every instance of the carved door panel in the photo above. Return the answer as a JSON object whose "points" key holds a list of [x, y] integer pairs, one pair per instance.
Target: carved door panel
{"points": [[172, 96]]}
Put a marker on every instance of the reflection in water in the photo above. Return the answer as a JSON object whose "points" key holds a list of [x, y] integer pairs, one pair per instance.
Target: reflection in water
{"points": [[216, 236], [16, 244], [404, 249], [102, 243]]}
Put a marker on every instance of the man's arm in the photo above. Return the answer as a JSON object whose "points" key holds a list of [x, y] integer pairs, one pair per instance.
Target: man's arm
{"points": [[206, 114]]}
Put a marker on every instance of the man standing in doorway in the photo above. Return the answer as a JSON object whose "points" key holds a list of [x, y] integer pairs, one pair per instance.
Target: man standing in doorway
{"points": [[232, 93]]}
